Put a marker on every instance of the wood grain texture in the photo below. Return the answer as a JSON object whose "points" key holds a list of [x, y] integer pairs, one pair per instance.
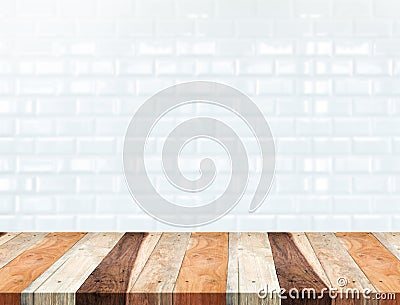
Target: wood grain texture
{"points": [[7, 237], [380, 266], [27, 267], [391, 240], [156, 282], [18, 245], [203, 275], [256, 270], [108, 283], [338, 264], [296, 268], [58, 285], [232, 282], [146, 249]]}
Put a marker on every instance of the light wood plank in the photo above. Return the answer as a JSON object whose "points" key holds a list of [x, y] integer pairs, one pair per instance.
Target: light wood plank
{"points": [[157, 280], [146, 249], [391, 240], [18, 245], [256, 270], [27, 267], [343, 273], [303, 244], [232, 283], [7, 237], [64, 278], [203, 275]]}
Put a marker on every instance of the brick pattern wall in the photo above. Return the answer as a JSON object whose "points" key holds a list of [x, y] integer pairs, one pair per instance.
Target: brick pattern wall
{"points": [[326, 74]]}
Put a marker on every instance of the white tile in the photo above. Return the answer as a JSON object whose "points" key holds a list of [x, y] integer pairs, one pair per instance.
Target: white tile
{"points": [[372, 67], [39, 8], [174, 28], [237, 8], [370, 28], [274, 8], [351, 47], [312, 8], [370, 184], [119, 8], [336, 145], [371, 146], [253, 28], [76, 8], [333, 28], [386, 8], [214, 27], [352, 8], [155, 8]]}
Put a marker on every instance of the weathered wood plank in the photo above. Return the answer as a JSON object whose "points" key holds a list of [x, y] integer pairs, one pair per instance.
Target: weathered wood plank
{"points": [[298, 269], [108, 283], [232, 283], [380, 266], [27, 267], [203, 275], [391, 240], [18, 245], [7, 237], [343, 273], [156, 282], [256, 270], [58, 284]]}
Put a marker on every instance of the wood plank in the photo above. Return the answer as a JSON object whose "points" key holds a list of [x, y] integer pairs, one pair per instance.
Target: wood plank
{"points": [[27, 267], [298, 268], [232, 283], [343, 273], [7, 237], [146, 249], [156, 282], [58, 284], [256, 270], [203, 275], [109, 282], [18, 245], [380, 266], [391, 240]]}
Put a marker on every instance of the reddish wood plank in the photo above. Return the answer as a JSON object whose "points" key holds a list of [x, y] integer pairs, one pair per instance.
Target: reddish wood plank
{"points": [[108, 283], [203, 275], [25, 268], [380, 266], [294, 271]]}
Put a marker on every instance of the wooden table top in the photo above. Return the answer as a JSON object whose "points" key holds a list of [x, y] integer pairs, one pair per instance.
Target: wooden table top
{"points": [[199, 268]]}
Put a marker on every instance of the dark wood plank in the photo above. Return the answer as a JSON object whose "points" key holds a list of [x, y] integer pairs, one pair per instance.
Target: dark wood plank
{"points": [[203, 275], [294, 270], [108, 283], [27, 267], [380, 265]]}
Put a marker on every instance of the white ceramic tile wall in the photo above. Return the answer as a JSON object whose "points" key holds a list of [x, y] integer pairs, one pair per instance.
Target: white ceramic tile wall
{"points": [[326, 73]]}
